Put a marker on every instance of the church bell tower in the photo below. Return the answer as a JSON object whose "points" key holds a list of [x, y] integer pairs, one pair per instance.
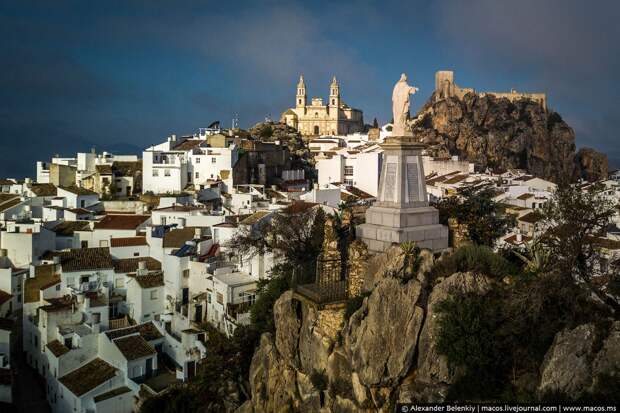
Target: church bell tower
{"points": [[300, 101], [334, 94]]}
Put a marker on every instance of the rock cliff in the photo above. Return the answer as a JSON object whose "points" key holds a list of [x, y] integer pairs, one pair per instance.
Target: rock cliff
{"points": [[498, 134], [386, 351]]}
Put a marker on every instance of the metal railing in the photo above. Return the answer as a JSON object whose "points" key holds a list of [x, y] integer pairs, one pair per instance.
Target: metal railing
{"points": [[327, 285]]}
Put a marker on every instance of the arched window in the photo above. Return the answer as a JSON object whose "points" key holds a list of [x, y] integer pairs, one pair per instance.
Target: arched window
{"points": [[316, 130], [333, 101]]}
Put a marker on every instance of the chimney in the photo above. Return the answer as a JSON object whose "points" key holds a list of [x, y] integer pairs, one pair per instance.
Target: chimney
{"points": [[519, 237], [180, 222], [198, 233]]}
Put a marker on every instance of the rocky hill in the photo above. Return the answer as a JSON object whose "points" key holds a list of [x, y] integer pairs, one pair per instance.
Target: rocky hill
{"points": [[499, 134], [387, 350]]}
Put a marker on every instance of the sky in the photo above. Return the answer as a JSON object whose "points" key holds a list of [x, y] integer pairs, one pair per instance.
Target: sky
{"points": [[122, 75]]}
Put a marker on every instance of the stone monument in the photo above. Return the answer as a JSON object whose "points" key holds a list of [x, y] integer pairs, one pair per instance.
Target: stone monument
{"points": [[401, 212]]}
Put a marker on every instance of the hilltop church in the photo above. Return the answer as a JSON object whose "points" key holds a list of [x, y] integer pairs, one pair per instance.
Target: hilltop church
{"points": [[335, 118]]}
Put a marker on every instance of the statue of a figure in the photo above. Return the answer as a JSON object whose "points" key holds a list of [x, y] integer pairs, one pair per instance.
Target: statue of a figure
{"points": [[400, 105]]}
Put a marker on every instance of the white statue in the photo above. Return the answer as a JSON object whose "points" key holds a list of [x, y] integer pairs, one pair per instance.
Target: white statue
{"points": [[400, 106]]}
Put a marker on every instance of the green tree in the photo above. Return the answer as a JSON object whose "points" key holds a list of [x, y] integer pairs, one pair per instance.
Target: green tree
{"points": [[485, 219]]}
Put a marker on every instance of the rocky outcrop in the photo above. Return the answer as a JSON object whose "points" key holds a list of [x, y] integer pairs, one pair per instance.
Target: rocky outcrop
{"points": [[579, 358], [590, 164], [498, 134], [385, 352]]}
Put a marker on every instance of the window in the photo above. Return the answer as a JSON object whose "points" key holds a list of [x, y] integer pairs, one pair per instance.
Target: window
{"points": [[185, 273], [58, 287], [348, 170], [82, 203], [119, 283], [197, 160], [208, 298], [348, 182], [136, 254], [220, 298], [166, 172], [153, 294], [70, 281], [213, 160], [197, 175], [103, 243]]}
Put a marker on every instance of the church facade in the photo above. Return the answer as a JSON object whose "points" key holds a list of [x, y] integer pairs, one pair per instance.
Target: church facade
{"points": [[335, 118]]}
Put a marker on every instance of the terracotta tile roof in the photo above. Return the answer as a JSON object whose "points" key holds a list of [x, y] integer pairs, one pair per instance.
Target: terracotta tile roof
{"points": [[79, 259], [255, 217], [525, 196], [188, 144], [8, 201], [150, 280], [128, 242], [128, 265], [455, 179], [58, 304], [88, 377], [126, 168], [298, 207], [147, 330], [530, 217], [4, 297], [112, 393], [44, 189], [359, 193], [78, 190], [134, 347], [121, 221], [176, 238], [67, 228], [57, 348], [6, 182], [44, 277], [182, 208], [104, 169]]}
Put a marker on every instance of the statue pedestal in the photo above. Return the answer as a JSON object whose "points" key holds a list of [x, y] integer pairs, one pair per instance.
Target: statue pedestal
{"points": [[401, 212]]}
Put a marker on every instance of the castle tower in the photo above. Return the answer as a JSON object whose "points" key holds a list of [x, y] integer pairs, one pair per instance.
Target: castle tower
{"points": [[300, 99], [334, 93]]}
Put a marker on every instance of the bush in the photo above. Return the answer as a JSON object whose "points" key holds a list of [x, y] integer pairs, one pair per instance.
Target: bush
{"points": [[318, 380], [475, 258], [261, 313], [468, 326]]}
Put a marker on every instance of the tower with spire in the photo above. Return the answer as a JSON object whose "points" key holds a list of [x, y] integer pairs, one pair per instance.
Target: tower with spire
{"points": [[301, 93], [334, 94]]}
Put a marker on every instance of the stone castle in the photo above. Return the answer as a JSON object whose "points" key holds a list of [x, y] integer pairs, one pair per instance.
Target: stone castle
{"points": [[335, 118], [445, 87]]}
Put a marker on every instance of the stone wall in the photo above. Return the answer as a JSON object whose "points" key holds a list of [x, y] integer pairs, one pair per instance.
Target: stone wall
{"points": [[445, 87]]}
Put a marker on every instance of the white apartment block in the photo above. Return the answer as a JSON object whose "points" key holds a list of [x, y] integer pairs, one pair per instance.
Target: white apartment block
{"points": [[197, 160]]}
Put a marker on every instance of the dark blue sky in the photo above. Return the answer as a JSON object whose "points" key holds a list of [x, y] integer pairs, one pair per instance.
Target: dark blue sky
{"points": [[121, 75]]}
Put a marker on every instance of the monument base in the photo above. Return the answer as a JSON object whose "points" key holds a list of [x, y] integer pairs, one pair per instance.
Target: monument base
{"points": [[401, 212], [387, 226]]}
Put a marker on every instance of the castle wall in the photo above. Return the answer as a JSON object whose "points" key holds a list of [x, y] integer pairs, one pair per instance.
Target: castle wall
{"points": [[445, 87]]}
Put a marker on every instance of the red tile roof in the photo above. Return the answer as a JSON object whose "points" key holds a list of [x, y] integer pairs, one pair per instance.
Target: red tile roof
{"points": [[121, 221], [88, 377], [129, 265], [127, 242], [134, 347], [79, 259]]}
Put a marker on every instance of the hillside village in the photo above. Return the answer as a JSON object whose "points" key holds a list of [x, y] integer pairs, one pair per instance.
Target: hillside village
{"points": [[112, 264]]}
